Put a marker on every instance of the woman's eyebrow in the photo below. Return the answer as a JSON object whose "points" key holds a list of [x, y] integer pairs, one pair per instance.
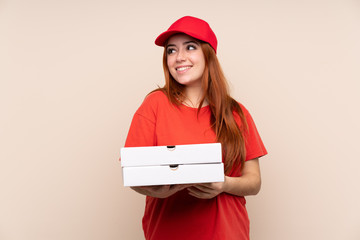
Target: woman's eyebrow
{"points": [[190, 42]]}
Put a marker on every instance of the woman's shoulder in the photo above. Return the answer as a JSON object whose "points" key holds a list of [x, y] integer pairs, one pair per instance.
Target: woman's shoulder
{"points": [[155, 97], [153, 101], [243, 109]]}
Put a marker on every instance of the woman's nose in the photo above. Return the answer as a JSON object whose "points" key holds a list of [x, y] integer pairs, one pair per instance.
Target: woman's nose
{"points": [[181, 56]]}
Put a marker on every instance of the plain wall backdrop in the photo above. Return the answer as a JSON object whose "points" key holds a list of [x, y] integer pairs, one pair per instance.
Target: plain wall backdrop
{"points": [[73, 72]]}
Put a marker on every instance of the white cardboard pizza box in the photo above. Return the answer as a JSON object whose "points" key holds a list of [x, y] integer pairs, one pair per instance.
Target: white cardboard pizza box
{"points": [[180, 164]]}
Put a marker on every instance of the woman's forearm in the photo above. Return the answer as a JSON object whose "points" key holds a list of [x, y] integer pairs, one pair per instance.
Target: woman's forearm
{"points": [[248, 184], [242, 186]]}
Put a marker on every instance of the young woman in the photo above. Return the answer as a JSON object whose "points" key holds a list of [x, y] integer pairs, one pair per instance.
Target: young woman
{"points": [[194, 107]]}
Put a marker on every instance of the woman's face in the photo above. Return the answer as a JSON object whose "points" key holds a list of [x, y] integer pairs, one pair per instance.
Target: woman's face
{"points": [[185, 60]]}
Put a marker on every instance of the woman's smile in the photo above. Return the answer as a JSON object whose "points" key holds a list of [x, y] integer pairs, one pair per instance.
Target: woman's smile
{"points": [[182, 69]]}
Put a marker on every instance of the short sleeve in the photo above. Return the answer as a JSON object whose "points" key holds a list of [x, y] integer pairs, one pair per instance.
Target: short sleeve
{"points": [[254, 145], [142, 130]]}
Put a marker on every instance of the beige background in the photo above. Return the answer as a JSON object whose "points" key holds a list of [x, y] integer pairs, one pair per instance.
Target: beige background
{"points": [[73, 73]]}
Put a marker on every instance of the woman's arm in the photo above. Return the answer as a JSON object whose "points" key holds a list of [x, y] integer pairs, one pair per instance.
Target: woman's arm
{"points": [[248, 184]]}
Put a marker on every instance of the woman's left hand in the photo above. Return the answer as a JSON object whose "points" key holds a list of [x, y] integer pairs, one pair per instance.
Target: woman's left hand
{"points": [[248, 184], [207, 190]]}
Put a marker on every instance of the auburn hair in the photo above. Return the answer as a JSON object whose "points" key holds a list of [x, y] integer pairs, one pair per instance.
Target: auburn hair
{"points": [[221, 104]]}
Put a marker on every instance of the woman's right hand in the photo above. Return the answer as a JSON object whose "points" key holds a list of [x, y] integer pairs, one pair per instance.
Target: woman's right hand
{"points": [[160, 191]]}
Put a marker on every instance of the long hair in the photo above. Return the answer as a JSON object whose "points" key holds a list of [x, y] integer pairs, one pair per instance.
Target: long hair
{"points": [[221, 104]]}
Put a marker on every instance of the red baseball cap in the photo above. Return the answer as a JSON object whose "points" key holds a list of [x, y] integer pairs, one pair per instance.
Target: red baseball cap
{"points": [[192, 26]]}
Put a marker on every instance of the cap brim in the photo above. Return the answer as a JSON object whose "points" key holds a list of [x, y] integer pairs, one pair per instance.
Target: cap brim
{"points": [[161, 39]]}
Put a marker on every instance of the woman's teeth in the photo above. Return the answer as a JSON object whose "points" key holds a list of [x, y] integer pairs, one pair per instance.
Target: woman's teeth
{"points": [[182, 68]]}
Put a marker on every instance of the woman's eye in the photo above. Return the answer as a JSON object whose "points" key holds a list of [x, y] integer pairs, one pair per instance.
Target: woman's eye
{"points": [[191, 47], [170, 50]]}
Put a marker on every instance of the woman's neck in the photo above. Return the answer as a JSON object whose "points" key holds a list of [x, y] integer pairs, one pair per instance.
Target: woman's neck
{"points": [[194, 96]]}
